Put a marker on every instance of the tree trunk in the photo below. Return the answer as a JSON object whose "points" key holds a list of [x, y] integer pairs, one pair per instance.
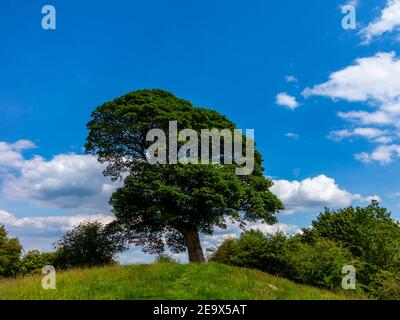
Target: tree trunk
{"points": [[192, 241]]}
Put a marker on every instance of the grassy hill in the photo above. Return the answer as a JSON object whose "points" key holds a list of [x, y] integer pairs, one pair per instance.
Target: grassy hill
{"points": [[164, 281]]}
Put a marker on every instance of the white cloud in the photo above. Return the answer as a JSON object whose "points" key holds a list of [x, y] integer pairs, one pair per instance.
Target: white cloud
{"points": [[372, 198], [288, 229], [291, 79], [383, 154], [367, 118], [388, 21], [312, 193], [67, 181], [383, 140], [285, 100], [10, 153], [41, 232], [373, 79], [372, 134], [38, 225], [353, 3], [292, 135]]}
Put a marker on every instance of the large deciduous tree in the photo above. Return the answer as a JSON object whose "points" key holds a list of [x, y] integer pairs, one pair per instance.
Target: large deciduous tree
{"points": [[171, 204]]}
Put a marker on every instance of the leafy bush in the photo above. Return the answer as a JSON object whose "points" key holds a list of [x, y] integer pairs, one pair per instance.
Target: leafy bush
{"points": [[34, 261], [319, 264], [366, 238], [224, 253], [253, 250], [368, 233], [10, 252], [387, 285], [164, 258], [88, 244]]}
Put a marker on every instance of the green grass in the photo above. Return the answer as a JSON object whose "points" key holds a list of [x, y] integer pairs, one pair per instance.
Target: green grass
{"points": [[164, 281]]}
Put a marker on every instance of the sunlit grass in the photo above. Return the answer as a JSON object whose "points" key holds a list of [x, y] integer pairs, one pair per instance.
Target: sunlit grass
{"points": [[164, 281]]}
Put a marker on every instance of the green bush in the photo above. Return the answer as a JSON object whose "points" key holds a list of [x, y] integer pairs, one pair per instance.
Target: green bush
{"points": [[34, 261], [254, 250], [88, 244], [366, 238], [10, 253], [164, 258], [369, 233], [318, 264], [224, 253], [387, 285]]}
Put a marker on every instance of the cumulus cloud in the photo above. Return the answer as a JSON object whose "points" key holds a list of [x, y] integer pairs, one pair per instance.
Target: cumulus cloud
{"points": [[384, 154], [67, 181], [41, 232], [10, 153], [312, 193], [285, 100], [374, 81], [388, 21], [45, 225]]}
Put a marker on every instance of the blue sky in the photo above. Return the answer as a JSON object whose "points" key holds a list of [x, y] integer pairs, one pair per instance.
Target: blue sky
{"points": [[331, 139]]}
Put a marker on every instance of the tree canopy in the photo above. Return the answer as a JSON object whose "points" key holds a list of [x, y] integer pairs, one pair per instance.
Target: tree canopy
{"points": [[170, 204]]}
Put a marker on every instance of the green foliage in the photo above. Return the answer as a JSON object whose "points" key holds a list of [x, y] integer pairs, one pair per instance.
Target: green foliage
{"points": [[164, 258], [10, 252], [369, 233], [387, 285], [225, 253], [319, 264], [34, 261], [88, 244], [366, 238], [174, 202]]}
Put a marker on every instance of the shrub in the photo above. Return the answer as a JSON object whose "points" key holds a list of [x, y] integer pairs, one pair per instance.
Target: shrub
{"points": [[10, 252], [34, 261], [253, 250], [370, 234], [164, 258], [387, 285], [88, 244], [318, 264], [225, 253]]}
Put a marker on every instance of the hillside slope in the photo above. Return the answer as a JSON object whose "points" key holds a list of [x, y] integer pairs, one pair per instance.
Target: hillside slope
{"points": [[164, 281]]}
